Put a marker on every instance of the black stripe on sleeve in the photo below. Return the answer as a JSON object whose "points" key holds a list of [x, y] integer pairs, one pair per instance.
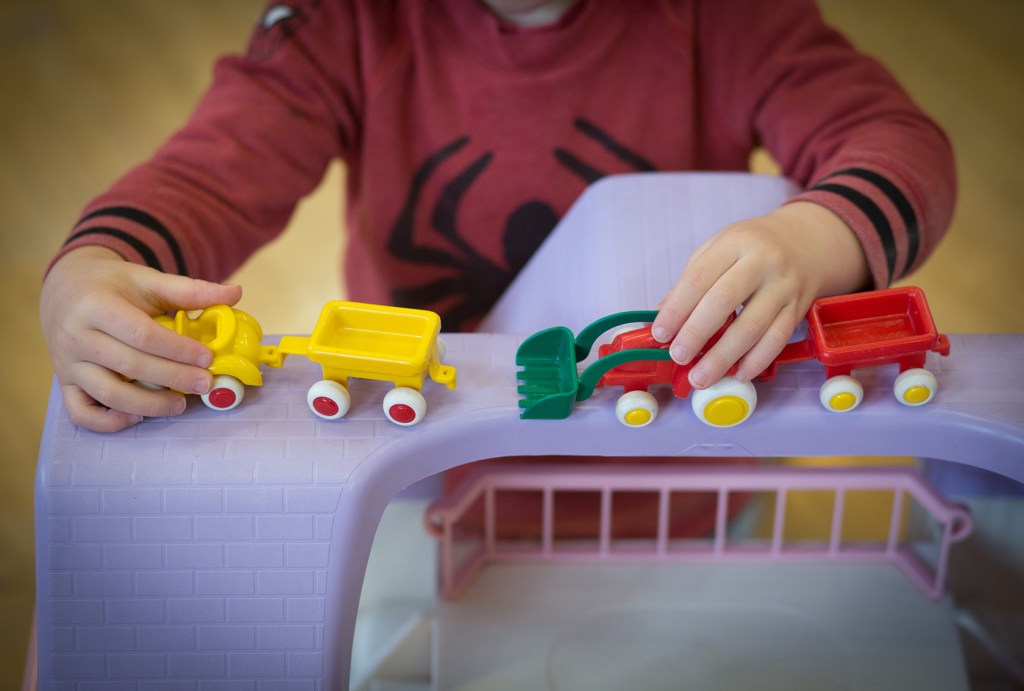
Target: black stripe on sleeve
{"points": [[899, 200], [147, 254], [874, 214], [144, 219]]}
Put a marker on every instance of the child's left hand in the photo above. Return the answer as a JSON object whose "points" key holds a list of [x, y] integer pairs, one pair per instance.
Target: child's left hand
{"points": [[774, 266]]}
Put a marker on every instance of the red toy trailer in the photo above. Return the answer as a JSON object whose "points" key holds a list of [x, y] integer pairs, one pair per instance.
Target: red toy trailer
{"points": [[845, 333]]}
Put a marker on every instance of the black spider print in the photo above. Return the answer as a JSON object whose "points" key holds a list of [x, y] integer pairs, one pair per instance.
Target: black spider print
{"points": [[478, 282], [278, 24], [590, 174]]}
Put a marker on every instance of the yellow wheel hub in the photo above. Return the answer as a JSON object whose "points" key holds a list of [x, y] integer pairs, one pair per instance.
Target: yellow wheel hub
{"points": [[917, 394], [842, 401], [725, 411], [637, 417]]}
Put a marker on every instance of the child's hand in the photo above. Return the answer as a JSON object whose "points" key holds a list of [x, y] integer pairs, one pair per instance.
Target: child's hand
{"points": [[774, 266], [97, 317]]}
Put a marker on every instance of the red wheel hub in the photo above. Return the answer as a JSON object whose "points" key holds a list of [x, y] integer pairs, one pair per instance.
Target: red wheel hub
{"points": [[327, 407], [222, 398], [402, 413]]}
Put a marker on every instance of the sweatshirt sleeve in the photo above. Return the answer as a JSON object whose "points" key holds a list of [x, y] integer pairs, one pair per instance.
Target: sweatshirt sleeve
{"points": [[260, 139], [836, 121]]}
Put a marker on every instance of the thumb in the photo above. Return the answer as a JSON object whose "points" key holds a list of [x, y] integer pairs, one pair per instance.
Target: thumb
{"points": [[184, 293]]}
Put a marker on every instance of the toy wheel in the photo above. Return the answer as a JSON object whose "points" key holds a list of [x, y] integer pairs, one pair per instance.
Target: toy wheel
{"points": [[841, 394], [328, 399], [636, 409], [442, 349], [226, 393], [404, 406], [915, 387], [725, 403]]}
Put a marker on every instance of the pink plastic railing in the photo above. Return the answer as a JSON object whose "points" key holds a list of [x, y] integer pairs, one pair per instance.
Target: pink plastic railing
{"points": [[457, 516]]}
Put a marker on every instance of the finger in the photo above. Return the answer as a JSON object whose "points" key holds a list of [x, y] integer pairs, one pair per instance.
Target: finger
{"points": [[700, 274], [146, 335], [748, 328], [180, 292], [112, 391], [711, 312], [764, 352], [139, 365], [85, 411]]}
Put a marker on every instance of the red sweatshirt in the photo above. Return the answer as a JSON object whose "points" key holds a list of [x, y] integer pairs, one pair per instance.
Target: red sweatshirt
{"points": [[465, 139]]}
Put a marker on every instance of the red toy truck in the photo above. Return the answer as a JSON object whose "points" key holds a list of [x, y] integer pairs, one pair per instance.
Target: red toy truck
{"points": [[845, 333]]}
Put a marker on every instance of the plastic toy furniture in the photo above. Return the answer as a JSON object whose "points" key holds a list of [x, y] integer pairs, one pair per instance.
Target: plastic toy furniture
{"points": [[846, 332], [170, 549], [238, 351], [229, 548], [393, 344]]}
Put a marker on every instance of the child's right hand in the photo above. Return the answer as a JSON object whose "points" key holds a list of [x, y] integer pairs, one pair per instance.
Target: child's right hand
{"points": [[97, 316]]}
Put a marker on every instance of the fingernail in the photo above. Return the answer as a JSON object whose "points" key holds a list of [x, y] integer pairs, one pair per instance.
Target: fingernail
{"points": [[179, 407], [204, 360], [660, 334], [698, 378], [678, 354], [135, 419], [200, 386]]}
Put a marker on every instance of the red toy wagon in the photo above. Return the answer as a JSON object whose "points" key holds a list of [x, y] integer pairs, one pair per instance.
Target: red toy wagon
{"points": [[846, 333], [878, 328]]}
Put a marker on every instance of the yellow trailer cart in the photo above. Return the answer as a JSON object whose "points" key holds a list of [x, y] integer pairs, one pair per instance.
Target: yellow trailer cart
{"points": [[395, 344]]}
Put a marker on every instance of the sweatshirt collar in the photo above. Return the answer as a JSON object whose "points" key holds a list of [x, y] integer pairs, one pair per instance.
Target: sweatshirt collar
{"points": [[504, 45]]}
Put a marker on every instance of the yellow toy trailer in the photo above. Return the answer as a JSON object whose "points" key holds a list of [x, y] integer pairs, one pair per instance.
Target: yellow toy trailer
{"points": [[395, 344], [236, 341]]}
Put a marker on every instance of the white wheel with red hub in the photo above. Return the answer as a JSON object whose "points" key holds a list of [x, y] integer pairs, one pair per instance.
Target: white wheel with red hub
{"points": [[404, 406], [328, 399], [226, 393]]}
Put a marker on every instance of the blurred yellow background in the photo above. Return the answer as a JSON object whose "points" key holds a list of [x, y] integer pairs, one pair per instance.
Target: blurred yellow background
{"points": [[90, 88]]}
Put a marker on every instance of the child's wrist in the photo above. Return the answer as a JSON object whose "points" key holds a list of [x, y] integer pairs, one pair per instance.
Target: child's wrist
{"points": [[83, 253], [838, 255]]}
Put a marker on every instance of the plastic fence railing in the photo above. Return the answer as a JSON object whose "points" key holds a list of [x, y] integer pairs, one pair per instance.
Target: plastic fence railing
{"points": [[469, 528]]}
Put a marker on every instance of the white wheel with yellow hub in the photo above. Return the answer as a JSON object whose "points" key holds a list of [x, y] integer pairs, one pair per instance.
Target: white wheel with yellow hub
{"points": [[915, 387], [636, 409], [725, 403], [841, 394]]}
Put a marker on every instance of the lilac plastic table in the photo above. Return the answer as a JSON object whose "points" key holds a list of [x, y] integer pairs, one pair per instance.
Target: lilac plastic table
{"points": [[229, 548]]}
